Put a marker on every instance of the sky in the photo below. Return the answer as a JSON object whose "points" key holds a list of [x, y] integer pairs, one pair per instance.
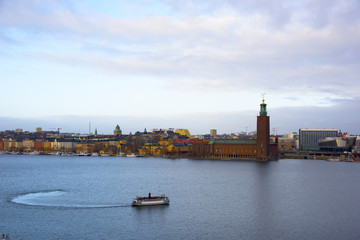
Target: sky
{"points": [[190, 64]]}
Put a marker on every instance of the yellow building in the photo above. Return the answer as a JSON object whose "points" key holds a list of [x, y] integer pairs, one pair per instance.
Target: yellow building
{"points": [[144, 151], [183, 132], [9, 144], [213, 133], [18, 146], [158, 151], [171, 149], [28, 145], [285, 144], [85, 147], [153, 149], [165, 143], [47, 146], [6, 144]]}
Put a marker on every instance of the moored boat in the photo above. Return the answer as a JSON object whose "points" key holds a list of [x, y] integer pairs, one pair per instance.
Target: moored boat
{"points": [[151, 201], [333, 159], [82, 154], [34, 153]]}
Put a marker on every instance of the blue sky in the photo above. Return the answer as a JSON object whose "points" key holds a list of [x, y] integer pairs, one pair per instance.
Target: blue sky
{"points": [[182, 64]]}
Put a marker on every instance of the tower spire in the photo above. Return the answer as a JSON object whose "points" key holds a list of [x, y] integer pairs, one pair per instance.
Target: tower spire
{"points": [[263, 111]]}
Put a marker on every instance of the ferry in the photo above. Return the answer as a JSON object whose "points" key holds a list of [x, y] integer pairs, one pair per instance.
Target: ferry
{"points": [[4, 236], [151, 201]]}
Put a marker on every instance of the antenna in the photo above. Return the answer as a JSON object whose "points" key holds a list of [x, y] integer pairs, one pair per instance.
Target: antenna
{"points": [[263, 95], [89, 128], [275, 131]]}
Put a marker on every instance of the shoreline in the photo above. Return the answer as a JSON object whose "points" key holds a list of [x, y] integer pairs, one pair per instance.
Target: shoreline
{"points": [[284, 157]]}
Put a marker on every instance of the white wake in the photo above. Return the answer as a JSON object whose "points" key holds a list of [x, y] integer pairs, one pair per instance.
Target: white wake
{"points": [[53, 199]]}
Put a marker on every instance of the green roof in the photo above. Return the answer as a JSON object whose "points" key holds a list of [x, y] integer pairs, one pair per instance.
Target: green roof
{"points": [[117, 128]]}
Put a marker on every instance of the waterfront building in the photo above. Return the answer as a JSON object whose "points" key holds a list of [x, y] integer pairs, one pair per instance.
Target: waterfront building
{"points": [[230, 148], [339, 144], [288, 142], [63, 145], [295, 137], [154, 149], [1, 144], [28, 145], [85, 148], [38, 146], [262, 148], [18, 146], [309, 138], [38, 130], [6, 144], [47, 146], [180, 149], [285, 144]]}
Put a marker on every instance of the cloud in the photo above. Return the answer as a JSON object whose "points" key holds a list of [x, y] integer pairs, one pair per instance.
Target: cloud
{"points": [[304, 49], [341, 115], [318, 13]]}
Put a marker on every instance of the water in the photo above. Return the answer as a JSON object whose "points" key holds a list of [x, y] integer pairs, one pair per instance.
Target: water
{"points": [[49, 197]]}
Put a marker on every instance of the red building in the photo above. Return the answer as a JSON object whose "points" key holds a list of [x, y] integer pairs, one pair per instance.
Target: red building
{"points": [[262, 148], [38, 146], [1, 145]]}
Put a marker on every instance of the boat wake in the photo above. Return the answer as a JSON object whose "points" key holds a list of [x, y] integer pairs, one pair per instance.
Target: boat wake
{"points": [[53, 198]]}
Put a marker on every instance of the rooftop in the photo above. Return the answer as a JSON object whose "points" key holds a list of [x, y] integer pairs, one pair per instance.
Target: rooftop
{"points": [[233, 141], [317, 129]]}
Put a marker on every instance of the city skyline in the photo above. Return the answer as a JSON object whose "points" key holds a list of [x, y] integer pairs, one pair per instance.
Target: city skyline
{"points": [[165, 64]]}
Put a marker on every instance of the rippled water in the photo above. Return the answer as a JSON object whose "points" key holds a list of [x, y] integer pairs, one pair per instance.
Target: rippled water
{"points": [[49, 197]]}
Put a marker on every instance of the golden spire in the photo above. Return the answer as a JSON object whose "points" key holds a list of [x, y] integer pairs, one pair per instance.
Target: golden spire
{"points": [[263, 100]]}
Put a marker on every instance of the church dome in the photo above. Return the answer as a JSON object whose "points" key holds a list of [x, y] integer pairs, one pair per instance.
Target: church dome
{"points": [[117, 130]]}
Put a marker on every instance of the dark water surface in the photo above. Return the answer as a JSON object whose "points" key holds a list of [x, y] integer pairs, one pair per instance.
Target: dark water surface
{"points": [[49, 197]]}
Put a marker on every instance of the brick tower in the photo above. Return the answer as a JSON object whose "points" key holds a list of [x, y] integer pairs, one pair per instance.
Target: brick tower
{"points": [[263, 133]]}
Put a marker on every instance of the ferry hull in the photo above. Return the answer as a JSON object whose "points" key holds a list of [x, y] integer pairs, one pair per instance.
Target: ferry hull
{"points": [[151, 202]]}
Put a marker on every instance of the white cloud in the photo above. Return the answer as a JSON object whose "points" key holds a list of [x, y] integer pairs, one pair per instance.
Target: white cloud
{"points": [[306, 50]]}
